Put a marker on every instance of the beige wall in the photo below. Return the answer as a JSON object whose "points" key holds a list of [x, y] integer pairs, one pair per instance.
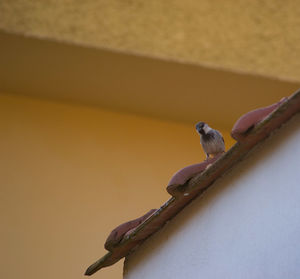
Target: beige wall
{"points": [[259, 37], [145, 86], [70, 174]]}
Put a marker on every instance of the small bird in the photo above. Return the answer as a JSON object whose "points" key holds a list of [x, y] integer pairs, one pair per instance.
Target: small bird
{"points": [[211, 140]]}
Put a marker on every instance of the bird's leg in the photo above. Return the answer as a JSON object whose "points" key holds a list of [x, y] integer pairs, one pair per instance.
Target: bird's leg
{"points": [[207, 156], [218, 154]]}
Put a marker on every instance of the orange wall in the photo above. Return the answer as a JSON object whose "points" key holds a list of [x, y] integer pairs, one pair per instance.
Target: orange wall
{"points": [[70, 174]]}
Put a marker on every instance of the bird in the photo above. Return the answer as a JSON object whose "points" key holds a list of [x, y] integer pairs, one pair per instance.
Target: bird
{"points": [[211, 140]]}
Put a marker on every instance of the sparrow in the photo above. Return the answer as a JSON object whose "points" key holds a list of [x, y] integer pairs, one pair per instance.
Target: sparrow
{"points": [[211, 140]]}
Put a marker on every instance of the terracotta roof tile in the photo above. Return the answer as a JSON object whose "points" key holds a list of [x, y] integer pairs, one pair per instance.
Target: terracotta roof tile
{"points": [[246, 122], [185, 174], [250, 130], [119, 232]]}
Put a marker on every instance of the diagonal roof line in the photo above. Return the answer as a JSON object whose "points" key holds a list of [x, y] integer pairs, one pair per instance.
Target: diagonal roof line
{"points": [[184, 194]]}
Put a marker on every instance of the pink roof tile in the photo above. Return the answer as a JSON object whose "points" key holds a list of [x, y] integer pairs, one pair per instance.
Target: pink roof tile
{"points": [[183, 175], [246, 122], [119, 232]]}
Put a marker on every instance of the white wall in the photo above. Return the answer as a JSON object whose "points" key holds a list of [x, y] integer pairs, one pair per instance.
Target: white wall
{"points": [[247, 226]]}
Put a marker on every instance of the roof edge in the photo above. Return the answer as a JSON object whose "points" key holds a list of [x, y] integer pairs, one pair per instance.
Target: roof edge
{"points": [[185, 193]]}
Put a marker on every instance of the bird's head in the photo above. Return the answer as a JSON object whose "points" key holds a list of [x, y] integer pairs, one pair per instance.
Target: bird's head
{"points": [[201, 127]]}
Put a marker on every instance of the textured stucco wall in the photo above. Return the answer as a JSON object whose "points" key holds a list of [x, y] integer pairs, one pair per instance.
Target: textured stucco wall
{"points": [[135, 84], [260, 37], [246, 226]]}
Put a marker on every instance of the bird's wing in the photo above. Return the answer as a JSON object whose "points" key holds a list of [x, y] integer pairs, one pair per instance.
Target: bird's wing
{"points": [[219, 135]]}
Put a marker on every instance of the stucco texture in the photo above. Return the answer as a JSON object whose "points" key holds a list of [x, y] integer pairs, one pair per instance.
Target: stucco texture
{"points": [[260, 37]]}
